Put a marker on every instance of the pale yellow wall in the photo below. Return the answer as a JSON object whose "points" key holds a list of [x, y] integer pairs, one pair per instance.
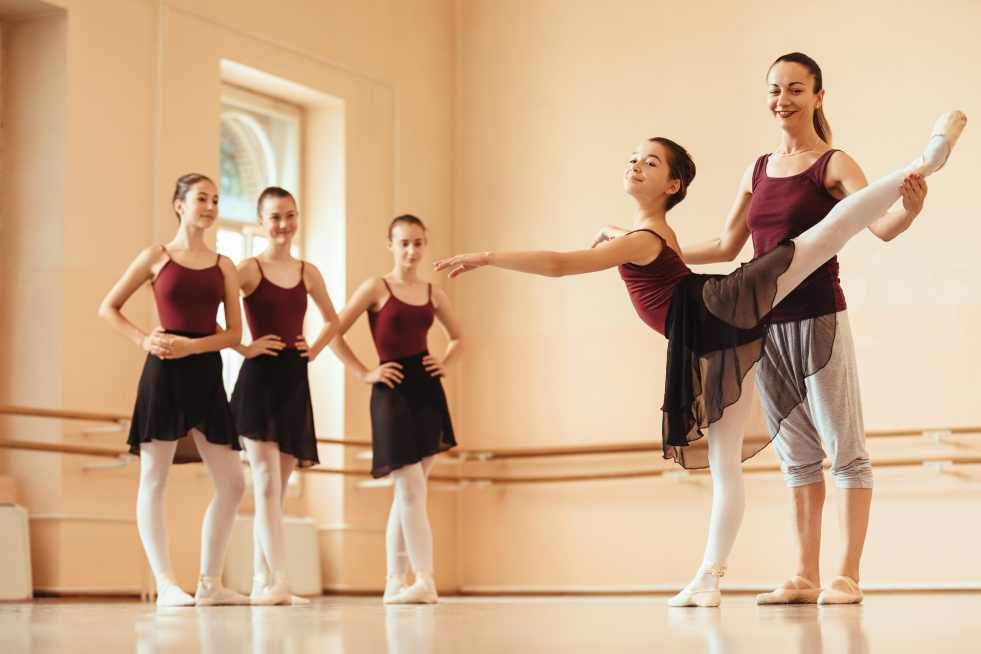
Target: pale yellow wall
{"points": [[31, 251], [552, 98], [141, 107], [503, 125]]}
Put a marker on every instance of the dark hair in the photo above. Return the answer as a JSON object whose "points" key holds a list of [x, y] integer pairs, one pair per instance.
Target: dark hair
{"points": [[680, 166], [406, 219], [821, 125], [184, 184], [272, 192]]}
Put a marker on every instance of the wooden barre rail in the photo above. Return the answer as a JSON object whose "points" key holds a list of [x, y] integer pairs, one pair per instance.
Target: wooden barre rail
{"points": [[490, 454], [38, 412], [114, 453]]}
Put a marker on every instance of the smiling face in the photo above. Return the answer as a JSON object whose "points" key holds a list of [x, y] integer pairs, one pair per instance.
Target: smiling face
{"points": [[647, 176], [280, 219], [199, 205], [791, 97], [407, 244]]}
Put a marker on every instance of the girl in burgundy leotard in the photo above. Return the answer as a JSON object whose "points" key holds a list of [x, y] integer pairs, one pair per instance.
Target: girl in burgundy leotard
{"points": [[781, 195], [717, 326], [181, 410], [410, 420], [271, 402]]}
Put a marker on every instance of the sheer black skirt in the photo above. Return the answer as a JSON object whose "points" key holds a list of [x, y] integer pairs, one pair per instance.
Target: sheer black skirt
{"points": [[175, 396], [717, 331], [271, 402], [409, 422]]}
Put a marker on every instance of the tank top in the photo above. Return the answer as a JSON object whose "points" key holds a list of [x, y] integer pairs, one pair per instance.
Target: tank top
{"points": [[650, 286], [187, 298], [272, 309], [399, 328], [785, 207]]}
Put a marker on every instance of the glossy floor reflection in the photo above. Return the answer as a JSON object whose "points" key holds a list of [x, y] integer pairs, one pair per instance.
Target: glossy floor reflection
{"points": [[932, 623]]}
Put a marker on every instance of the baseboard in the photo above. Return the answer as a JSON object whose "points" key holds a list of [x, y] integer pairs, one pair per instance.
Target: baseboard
{"points": [[67, 591]]}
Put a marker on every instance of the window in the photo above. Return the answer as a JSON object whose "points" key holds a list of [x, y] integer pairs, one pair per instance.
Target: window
{"points": [[260, 147]]}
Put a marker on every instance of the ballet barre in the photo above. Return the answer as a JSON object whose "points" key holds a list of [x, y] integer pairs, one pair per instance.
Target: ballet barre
{"points": [[936, 434], [939, 463]]}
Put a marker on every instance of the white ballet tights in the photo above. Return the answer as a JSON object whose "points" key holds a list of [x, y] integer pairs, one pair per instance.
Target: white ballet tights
{"points": [[271, 470], [225, 470], [408, 538], [725, 442]]}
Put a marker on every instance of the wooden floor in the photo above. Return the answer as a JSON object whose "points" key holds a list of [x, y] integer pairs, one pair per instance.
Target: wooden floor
{"points": [[893, 623]]}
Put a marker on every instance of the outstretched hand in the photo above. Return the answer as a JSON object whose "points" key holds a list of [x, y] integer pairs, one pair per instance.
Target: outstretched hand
{"points": [[462, 263]]}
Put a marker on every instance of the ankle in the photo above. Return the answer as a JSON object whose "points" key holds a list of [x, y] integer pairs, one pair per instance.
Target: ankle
{"points": [[206, 581], [425, 577], [164, 580], [708, 576], [813, 576]]}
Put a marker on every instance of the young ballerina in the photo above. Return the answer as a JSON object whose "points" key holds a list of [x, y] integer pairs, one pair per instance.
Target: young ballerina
{"points": [[780, 195], [181, 408], [271, 401], [410, 420], [716, 325]]}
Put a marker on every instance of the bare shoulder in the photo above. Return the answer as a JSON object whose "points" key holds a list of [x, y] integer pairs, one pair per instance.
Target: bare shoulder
{"points": [[373, 287], [226, 265], [312, 273], [440, 297], [151, 255], [150, 260], [248, 266], [746, 181], [841, 165]]}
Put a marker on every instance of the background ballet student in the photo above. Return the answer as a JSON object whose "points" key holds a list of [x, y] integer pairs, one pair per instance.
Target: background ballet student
{"points": [[181, 408], [716, 325], [271, 401], [410, 420], [781, 194]]}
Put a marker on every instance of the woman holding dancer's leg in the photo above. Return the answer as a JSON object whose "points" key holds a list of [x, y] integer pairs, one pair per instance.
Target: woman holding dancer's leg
{"points": [[181, 411], [782, 194], [410, 420], [717, 325], [271, 402]]}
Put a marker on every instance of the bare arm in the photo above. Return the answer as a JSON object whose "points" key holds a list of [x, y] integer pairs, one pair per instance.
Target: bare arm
{"points": [[639, 245], [845, 177], [735, 232], [362, 299], [447, 319], [139, 272], [318, 291]]}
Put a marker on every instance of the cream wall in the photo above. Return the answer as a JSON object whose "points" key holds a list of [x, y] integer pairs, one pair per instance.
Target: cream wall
{"points": [[140, 108], [552, 98], [503, 125]]}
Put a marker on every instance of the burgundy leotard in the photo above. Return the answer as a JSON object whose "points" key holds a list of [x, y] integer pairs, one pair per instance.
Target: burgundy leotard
{"points": [[272, 309], [650, 286], [188, 298], [400, 328], [785, 207]]}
